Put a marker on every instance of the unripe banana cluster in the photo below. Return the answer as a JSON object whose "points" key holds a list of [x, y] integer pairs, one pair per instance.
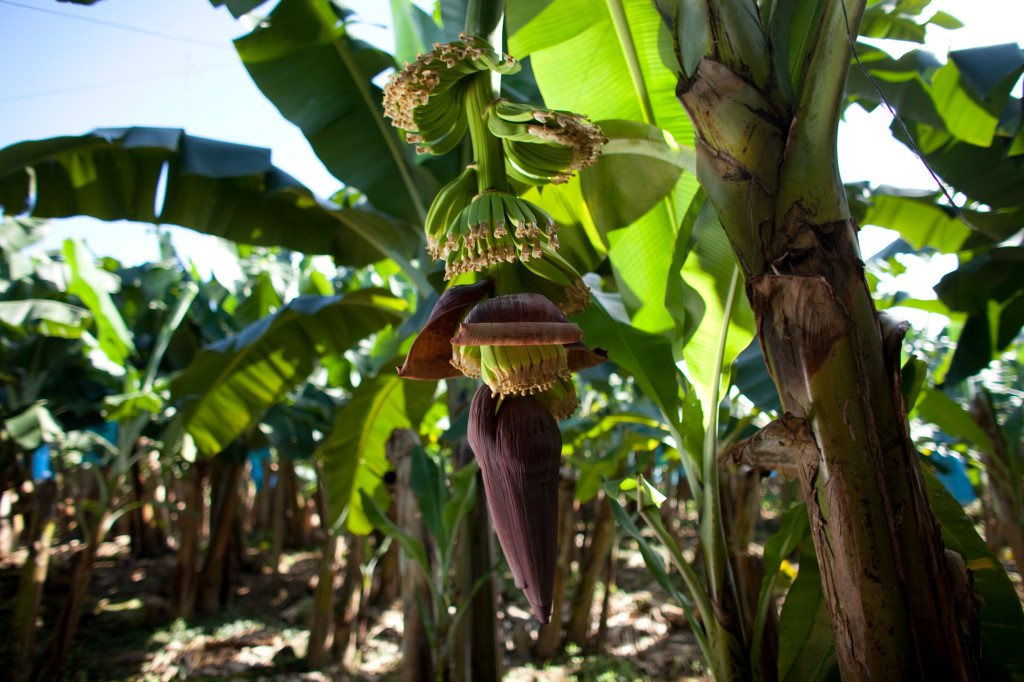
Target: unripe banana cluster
{"points": [[543, 145], [426, 98], [471, 232], [475, 222]]}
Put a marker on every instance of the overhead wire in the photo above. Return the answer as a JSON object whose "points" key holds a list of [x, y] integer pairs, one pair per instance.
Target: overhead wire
{"points": [[109, 84], [123, 27]]}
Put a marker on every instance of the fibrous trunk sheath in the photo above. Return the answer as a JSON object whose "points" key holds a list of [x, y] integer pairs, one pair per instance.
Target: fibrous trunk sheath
{"points": [[889, 587]]}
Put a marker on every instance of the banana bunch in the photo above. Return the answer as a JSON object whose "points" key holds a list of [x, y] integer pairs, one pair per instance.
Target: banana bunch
{"points": [[427, 97], [495, 227], [542, 145], [556, 278], [445, 210], [523, 370]]}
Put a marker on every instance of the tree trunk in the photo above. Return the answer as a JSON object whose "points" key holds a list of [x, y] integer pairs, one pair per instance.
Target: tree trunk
{"points": [[294, 504], [322, 620], [277, 514], [578, 630], [348, 602], [67, 623], [21, 637], [601, 636], [768, 166], [148, 540], [475, 651], [418, 664], [211, 587], [741, 505], [1003, 477], [549, 637], [190, 524]]}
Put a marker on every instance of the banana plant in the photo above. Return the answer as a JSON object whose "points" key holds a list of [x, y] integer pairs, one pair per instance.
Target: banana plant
{"points": [[443, 506]]}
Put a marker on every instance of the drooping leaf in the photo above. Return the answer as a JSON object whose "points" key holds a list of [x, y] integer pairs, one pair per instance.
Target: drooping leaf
{"points": [[218, 188], [353, 455], [45, 317], [709, 269], [639, 167], [94, 286], [1001, 616], [642, 354], [806, 641], [938, 408], [319, 77], [415, 31], [33, 426], [127, 405], [231, 384], [412, 547]]}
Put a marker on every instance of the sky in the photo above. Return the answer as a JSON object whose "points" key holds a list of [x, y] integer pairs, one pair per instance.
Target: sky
{"points": [[71, 69]]}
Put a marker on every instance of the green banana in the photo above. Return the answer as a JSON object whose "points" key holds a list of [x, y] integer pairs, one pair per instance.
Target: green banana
{"points": [[452, 198], [497, 214]]}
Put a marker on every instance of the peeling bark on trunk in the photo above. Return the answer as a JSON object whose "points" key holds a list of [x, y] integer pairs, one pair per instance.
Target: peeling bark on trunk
{"points": [[894, 599]]}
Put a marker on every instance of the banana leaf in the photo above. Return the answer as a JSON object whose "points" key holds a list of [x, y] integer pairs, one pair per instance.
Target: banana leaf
{"points": [[163, 175], [231, 384]]}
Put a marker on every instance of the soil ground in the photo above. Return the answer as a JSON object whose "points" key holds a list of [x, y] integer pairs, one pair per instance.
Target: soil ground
{"points": [[126, 634]]}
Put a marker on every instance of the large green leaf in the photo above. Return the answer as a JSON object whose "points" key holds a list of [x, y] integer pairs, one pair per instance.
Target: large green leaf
{"points": [[582, 64], [319, 77], [644, 355], [806, 641], [94, 286], [415, 31], [33, 426], [938, 408], [48, 318], [794, 529], [710, 269], [231, 384], [353, 454], [220, 188], [1002, 620]]}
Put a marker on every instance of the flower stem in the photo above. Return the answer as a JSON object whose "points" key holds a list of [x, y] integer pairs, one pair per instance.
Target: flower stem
{"points": [[487, 150], [485, 19]]}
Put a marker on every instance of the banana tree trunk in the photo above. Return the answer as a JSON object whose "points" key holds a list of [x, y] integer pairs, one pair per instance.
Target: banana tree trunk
{"points": [[21, 636], [67, 623], [578, 630], [767, 160], [476, 653], [549, 637]]}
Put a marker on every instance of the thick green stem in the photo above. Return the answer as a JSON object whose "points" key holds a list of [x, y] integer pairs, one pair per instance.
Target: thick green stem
{"points": [[487, 150], [485, 19]]}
